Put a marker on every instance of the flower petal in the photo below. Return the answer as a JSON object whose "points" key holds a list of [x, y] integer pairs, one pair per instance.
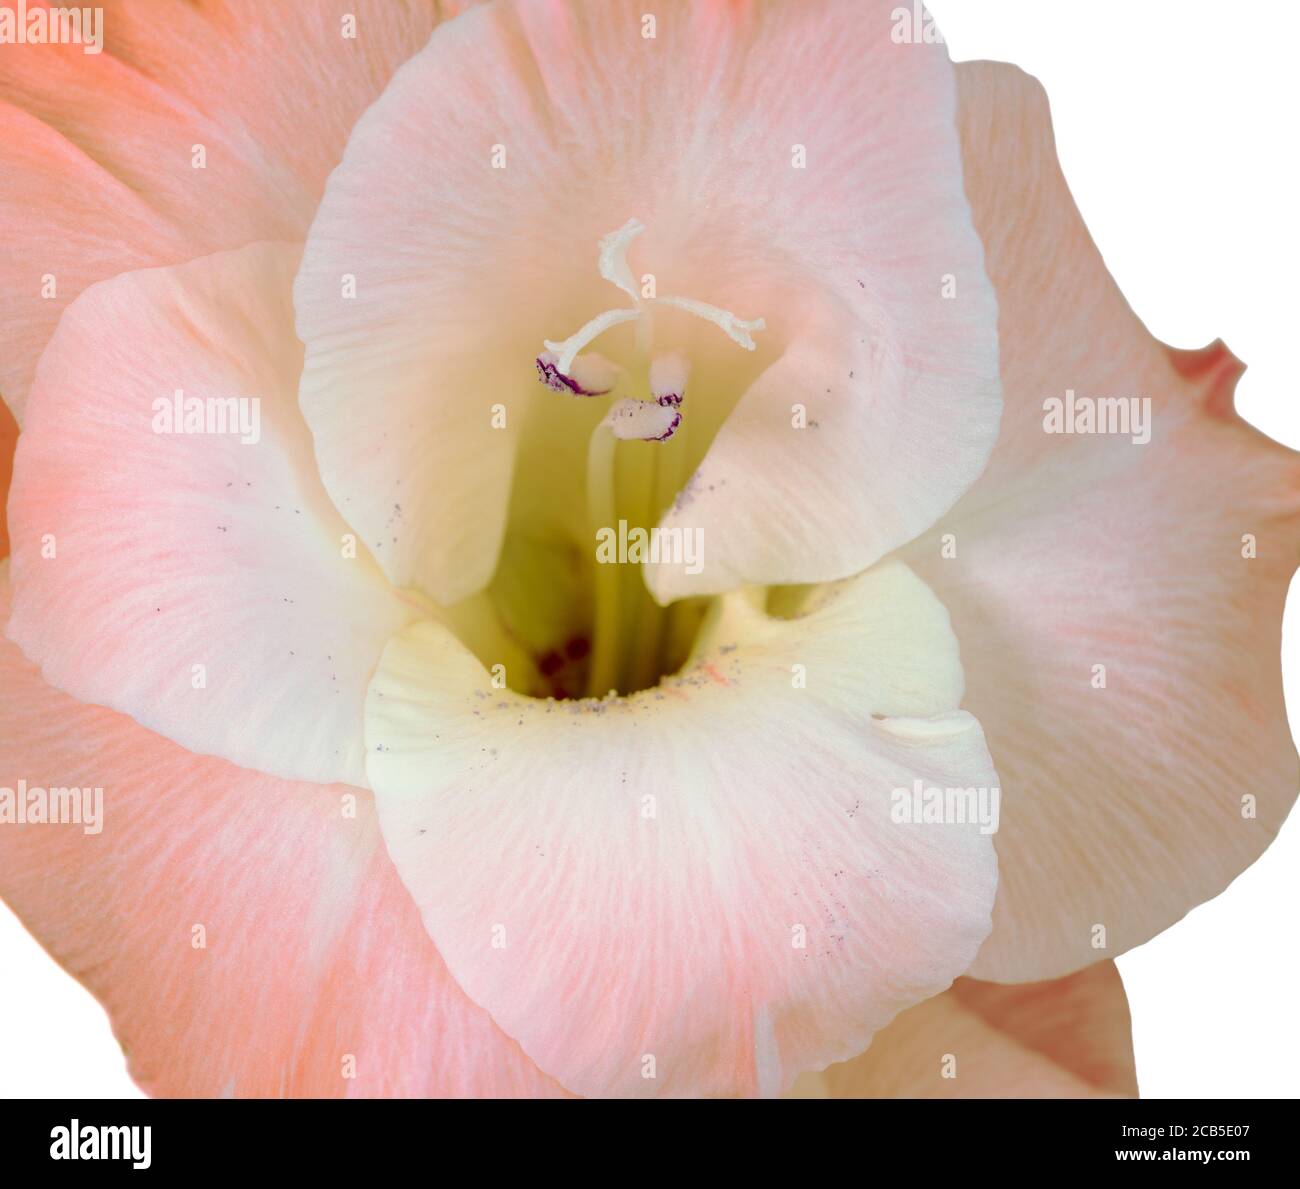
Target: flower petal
{"points": [[1071, 1038], [99, 163], [8, 443], [698, 889], [469, 208], [248, 936], [204, 586], [1135, 791]]}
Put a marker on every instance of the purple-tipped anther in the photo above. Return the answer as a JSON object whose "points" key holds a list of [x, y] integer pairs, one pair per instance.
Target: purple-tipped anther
{"points": [[643, 420], [591, 375]]}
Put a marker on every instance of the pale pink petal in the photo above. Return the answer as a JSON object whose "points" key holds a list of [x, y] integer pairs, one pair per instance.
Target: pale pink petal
{"points": [[700, 889], [247, 935], [1070, 1038], [789, 162], [97, 151], [202, 584], [1125, 805], [8, 443]]}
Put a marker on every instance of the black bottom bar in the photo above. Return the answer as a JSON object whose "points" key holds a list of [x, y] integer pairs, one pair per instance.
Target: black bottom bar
{"points": [[1216, 1139]]}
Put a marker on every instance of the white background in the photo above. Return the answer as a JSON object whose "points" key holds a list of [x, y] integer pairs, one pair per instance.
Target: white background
{"points": [[1176, 122]]}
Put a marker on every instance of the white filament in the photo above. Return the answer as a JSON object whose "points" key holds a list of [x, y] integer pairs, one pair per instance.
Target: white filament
{"points": [[568, 350]]}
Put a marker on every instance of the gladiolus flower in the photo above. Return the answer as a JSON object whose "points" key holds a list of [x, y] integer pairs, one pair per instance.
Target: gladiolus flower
{"points": [[542, 526]]}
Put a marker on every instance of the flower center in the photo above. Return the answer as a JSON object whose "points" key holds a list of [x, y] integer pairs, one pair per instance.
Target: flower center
{"points": [[568, 613]]}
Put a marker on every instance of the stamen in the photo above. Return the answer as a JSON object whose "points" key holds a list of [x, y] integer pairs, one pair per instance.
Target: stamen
{"points": [[591, 375], [567, 351], [668, 378], [600, 515], [648, 420]]}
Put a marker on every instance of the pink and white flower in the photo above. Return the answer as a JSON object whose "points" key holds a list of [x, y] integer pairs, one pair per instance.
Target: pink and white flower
{"points": [[395, 770]]}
